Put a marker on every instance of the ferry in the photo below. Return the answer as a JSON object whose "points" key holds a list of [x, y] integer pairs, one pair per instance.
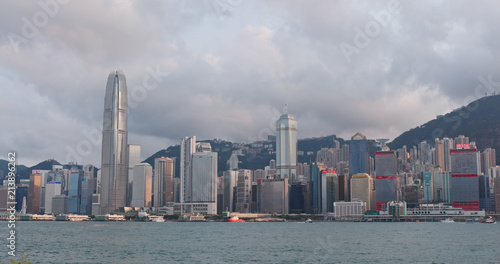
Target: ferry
{"points": [[77, 218], [197, 218], [235, 219], [447, 220], [157, 219]]}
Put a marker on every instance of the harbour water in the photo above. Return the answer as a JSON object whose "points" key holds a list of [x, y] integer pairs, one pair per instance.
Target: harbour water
{"points": [[216, 242]]}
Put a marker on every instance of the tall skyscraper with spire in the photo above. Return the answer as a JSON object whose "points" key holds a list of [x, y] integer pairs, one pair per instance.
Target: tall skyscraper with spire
{"points": [[286, 146], [114, 169]]}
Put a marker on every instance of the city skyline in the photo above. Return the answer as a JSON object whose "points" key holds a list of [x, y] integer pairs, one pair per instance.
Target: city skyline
{"points": [[225, 71]]}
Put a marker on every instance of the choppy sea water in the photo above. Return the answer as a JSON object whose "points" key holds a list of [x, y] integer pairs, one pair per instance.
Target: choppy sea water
{"points": [[214, 242]]}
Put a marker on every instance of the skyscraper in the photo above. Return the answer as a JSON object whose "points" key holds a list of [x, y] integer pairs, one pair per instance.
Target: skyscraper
{"points": [[143, 174], [244, 191], [361, 189], [198, 171], [114, 167], [329, 190], [386, 180], [74, 190], [134, 158], [464, 178], [163, 182], [286, 147], [204, 178], [51, 189], [272, 196], [359, 152], [188, 148], [34, 191]]}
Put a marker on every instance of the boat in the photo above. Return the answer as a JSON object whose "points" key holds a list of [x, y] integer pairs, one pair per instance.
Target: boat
{"points": [[447, 220], [309, 221], [235, 219], [77, 218], [157, 219], [197, 218], [490, 220]]}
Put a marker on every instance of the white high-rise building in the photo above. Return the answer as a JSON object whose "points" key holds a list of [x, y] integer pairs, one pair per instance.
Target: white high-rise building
{"points": [[286, 147], [114, 169], [204, 178], [198, 171], [51, 189], [143, 174]]}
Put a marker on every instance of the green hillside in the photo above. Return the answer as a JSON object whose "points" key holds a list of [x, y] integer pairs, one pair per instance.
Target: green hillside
{"points": [[480, 121]]}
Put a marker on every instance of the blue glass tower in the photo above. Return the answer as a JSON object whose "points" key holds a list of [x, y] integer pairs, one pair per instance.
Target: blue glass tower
{"points": [[74, 191], [359, 154]]}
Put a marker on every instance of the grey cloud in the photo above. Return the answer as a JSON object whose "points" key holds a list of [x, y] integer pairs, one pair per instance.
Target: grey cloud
{"points": [[229, 73]]}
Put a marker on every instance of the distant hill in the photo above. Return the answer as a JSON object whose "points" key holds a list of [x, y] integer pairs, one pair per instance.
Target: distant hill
{"points": [[44, 165], [5, 169], [256, 155], [480, 121]]}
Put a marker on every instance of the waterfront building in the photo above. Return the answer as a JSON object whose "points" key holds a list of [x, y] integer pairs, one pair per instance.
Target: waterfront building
{"points": [[4, 195], [286, 147], [114, 169], [361, 189], [496, 192], [198, 171], [34, 193], [143, 182], [87, 190], [299, 198], [230, 183], [163, 182], [343, 182], [90, 172], [329, 190], [359, 154], [51, 190], [244, 191], [413, 194], [204, 177], [485, 198], [134, 158], [272, 196], [59, 204], [315, 186], [349, 210], [74, 191], [386, 180], [188, 148], [464, 178]]}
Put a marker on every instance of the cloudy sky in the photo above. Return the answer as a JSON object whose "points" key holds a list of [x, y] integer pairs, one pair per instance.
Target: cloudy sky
{"points": [[225, 68]]}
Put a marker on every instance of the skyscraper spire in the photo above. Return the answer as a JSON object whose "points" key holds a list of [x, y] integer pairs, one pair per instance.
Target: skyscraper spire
{"points": [[285, 109]]}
